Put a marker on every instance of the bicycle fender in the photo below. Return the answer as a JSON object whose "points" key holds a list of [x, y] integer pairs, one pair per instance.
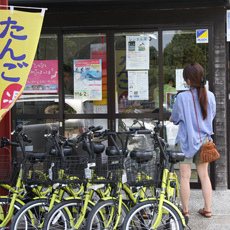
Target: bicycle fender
{"points": [[177, 210], [40, 197], [77, 198], [171, 204], [112, 198], [18, 200]]}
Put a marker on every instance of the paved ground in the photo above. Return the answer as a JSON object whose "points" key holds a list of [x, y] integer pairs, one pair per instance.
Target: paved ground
{"points": [[220, 219]]}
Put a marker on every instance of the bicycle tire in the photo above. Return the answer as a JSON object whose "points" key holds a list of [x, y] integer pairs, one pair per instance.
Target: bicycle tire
{"points": [[101, 216], [31, 216], [62, 214], [5, 203], [144, 214]]}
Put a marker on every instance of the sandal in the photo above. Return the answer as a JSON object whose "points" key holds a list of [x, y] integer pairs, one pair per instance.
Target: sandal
{"points": [[204, 213], [185, 213], [186, 216]]}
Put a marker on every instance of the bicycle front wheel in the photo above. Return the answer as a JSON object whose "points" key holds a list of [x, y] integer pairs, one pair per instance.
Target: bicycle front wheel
{"points": [[66, 214], [144, 214], [31, 216], [4, 210], [104, 215]]}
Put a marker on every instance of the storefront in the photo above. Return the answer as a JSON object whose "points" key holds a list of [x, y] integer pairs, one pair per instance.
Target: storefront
{"points": [[116, 63]]}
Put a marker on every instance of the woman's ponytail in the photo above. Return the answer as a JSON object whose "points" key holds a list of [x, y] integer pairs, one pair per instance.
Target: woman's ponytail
{"points": [[195, 73]]}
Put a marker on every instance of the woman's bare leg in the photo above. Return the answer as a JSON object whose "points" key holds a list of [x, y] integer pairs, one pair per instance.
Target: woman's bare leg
{"points": [[185, 174], [202, 170]]}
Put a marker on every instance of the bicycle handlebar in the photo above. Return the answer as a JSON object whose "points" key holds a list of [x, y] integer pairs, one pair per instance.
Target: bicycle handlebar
{"points": [[5, 141]]}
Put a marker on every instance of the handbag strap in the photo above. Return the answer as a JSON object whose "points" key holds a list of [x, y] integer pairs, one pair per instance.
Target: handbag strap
{"points": [[196, 114]]}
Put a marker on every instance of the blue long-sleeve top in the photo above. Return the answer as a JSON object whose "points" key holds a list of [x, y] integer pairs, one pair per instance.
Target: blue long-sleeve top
{"points": [[183, 113]]}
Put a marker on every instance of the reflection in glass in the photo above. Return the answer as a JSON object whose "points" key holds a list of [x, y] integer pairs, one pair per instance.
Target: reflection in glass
{"points": [[35, 129], [85, 83], [179, 49], [75, 127], [124, 104], [41, 91], [140, 141]]}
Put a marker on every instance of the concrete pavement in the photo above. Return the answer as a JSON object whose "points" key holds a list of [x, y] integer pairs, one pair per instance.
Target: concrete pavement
{"points": [[220, 219]]}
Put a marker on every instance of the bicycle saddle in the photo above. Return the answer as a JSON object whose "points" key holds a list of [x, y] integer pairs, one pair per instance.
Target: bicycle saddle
{"points": [[112, 151], [97, 147], [54, 152], [141, 156], [36, 157], [176, 156]]}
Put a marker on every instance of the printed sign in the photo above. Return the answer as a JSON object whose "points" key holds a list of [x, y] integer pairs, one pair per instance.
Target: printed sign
{"points": [[138, 83], [88, 79], [19, 35], [202, 36], [43, 77], [137, 52]]}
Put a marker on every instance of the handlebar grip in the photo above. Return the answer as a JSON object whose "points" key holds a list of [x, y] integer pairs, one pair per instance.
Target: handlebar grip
{"points": [[97, 128], [19, 128], [29, 140], [5, 141], [97, 134], [145, 131], [69, 144], [54, 131], [13, 143], [134, 128]]}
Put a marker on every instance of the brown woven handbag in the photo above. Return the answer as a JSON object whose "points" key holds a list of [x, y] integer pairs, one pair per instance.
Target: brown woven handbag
{"points": [[208, 152]]}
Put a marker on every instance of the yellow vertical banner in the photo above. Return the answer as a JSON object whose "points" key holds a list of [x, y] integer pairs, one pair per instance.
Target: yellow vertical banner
{"points": [[19, 36]]}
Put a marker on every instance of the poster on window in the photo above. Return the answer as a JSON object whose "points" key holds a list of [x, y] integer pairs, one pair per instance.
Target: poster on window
{"points": [[88, 79], [138, 85], [137, 52], [181, 84], [43, 77]]}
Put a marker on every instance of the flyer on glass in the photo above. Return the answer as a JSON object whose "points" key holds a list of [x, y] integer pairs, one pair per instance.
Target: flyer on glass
{"points": [[137, 52], [138, 85], [88, 79]]}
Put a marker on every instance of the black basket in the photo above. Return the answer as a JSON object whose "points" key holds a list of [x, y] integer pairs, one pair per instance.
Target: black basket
{"points": [[143, 173], [108, 169], [72, 170], [36, 172], [8, 171]]}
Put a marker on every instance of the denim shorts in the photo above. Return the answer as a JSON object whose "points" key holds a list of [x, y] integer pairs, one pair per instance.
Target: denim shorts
{"points": [[196, 158]]}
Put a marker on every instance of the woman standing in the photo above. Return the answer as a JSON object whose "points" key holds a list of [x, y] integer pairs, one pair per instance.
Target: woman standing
{"points": [[190, 137]]}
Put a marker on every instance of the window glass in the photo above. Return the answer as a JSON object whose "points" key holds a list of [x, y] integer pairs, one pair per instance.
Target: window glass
{"points": [[85, 73], [136, 72], [139, 141], [75, 127], [179, 49], [35, 129], [40, 95]]}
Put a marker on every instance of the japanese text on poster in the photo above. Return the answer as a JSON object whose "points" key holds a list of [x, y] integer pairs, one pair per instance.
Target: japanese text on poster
{"points": [[137, 52], [138, 85], [43, 77], [19, 35], [88, 79]]}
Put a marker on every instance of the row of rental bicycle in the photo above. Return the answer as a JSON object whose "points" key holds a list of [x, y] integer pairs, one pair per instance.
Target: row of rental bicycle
{"points": [[109, 187]]}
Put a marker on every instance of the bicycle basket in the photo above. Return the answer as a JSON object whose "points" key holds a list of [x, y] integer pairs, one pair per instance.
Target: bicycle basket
{"points": [[72, 170], [142, 171], [108, 169], [35, 172], [8, 171]]}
